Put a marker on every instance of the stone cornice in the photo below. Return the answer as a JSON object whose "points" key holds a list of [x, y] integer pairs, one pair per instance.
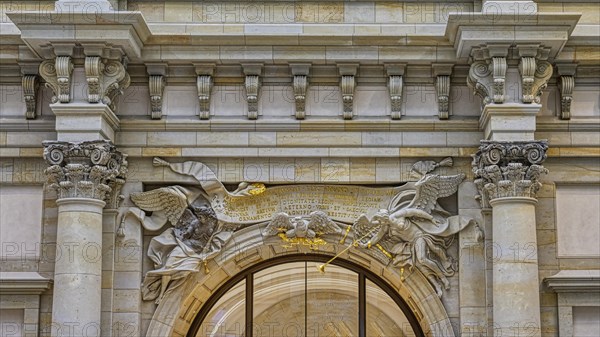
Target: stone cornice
{"points": [[569, 281], [124, 30], [23, 283], [467, 30]]}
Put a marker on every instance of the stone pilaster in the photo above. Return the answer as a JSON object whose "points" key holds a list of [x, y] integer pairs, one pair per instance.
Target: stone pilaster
{"points": [[507, 175], [86, 176]]}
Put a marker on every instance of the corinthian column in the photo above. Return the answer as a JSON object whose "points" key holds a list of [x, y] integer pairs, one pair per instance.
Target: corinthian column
{"points": [[84, 176], [507, 176]]}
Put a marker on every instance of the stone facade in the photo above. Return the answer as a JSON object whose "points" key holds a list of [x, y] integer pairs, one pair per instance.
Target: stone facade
{"points": [[454, 147]]}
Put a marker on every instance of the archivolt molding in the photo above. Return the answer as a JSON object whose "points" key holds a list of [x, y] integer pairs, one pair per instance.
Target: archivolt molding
{"points": [[248, 247], [57, 74], [403, 228]]}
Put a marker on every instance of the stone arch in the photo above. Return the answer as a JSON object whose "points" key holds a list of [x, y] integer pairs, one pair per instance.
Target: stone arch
{"points": [[248, 247]]}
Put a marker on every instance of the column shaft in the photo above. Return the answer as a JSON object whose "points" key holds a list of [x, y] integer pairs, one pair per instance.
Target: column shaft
{"points": [[78, 269], [515, 272]]}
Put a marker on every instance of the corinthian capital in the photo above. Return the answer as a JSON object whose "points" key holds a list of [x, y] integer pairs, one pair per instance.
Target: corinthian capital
{"points": [[509, 169], [90, 169]]}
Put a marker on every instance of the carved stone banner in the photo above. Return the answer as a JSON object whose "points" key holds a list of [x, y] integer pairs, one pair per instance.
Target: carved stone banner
{"points": [[405, 223]]}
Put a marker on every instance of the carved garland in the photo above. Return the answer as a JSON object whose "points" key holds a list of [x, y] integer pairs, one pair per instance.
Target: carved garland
{"points": [[509, 169], [85, 170]]}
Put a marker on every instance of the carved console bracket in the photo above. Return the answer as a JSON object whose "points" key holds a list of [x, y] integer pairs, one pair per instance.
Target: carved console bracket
{"points": [[252, 83], [347, 85], [106, 79], [509, 169], [30, 85], [300, 85], [487, 74], [57, 74], [204, 83], [566, 84], [535, 72], [90, 169], [156, 86], [442, 73], [395, 85]]}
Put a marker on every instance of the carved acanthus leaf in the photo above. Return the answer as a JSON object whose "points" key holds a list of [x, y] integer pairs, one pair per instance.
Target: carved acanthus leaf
{"points": [[30, 85], [106, 80], [156, 86], [300, 88], [442, 88], [89, 169], [487, 78], [347, 85], [252, 92], [57, 74], [204, 84], [395, 84], [566, 84], [534, 78], [508, 169]]}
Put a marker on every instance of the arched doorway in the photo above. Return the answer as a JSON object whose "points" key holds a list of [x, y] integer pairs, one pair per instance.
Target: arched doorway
{"points": [[288, 296]]}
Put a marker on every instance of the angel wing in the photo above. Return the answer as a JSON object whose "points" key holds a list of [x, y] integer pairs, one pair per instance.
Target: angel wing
{"points": [[321, 224], [170, 200], [432, 187], [280, 221], [364, 230]]}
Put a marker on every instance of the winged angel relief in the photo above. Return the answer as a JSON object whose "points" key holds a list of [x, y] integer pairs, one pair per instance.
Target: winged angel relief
{"points": [[406, 223]]}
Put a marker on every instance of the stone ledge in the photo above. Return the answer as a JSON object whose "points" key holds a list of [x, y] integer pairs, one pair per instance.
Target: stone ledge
{"points": [[23, 283], [574, 281]]}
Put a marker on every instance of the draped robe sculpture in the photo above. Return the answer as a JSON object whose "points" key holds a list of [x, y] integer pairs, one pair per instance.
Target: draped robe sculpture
{"points": [[406, 222]]}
